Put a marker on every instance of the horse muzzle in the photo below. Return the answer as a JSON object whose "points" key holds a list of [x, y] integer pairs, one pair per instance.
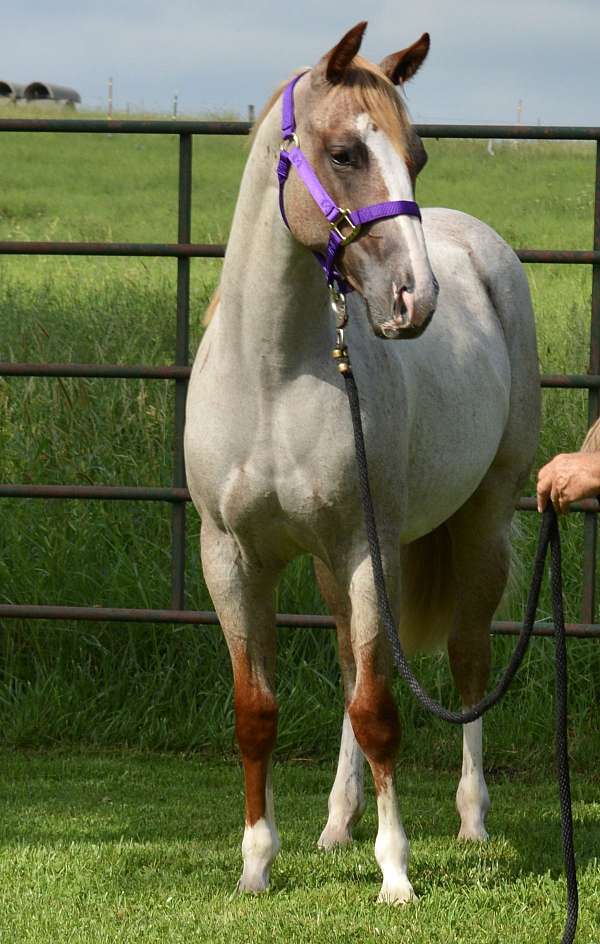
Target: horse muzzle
{"points": [[394, 330], [411, 313]]}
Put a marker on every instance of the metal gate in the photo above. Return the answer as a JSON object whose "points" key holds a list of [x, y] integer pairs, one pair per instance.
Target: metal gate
{"points": [[183, 250]]}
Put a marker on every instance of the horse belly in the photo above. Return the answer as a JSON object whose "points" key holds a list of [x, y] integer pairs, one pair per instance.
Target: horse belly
{"points": [[456, 429]]}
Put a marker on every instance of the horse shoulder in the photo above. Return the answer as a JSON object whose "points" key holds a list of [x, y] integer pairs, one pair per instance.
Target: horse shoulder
{"points": [[489, 258]]}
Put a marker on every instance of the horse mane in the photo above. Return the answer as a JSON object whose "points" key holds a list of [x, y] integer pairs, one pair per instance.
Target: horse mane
{"points": [[216, 298], [212, 306], [267, 108], [374, 93]]}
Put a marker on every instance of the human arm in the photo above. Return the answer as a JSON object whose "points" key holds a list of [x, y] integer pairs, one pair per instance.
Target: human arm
{"points": [[567, 478]]}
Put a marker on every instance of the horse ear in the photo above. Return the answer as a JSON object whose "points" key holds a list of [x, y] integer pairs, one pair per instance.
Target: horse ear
{"points": [[401, 66], [339, 58]]}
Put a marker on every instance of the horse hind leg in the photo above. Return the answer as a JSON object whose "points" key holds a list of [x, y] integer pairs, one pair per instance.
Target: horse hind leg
{"points": [[481, 561], [244, 601], [346, 801]]}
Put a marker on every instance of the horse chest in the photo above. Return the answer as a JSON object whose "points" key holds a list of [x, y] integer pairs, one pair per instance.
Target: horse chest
{"points": [[273, 498], [280, 473]]}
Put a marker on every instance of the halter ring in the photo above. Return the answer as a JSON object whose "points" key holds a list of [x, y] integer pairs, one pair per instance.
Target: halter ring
{"points": [[290, 141], [337, 300]]}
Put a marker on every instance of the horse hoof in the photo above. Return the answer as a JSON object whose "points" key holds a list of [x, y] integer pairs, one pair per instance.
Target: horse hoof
{"points": [[334, 837], [396, 893], [251, 884], [473, 833]]}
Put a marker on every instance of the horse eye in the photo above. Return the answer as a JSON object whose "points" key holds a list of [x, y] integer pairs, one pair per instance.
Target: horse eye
{"points": [[341, 158]]}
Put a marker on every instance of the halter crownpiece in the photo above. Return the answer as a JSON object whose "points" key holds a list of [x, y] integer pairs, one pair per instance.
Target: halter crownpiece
{"points": [[344, 225]]}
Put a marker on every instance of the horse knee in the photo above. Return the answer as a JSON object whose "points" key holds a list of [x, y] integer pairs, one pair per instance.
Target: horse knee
{"points": [[256, 731], [375, 720], [470, 662], [256, 714]]}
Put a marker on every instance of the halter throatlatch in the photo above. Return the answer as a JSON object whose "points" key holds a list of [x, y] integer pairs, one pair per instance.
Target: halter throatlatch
{"points": [[344, 225]]}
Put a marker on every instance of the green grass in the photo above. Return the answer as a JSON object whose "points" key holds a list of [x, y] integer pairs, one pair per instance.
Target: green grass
{"points": [[169, 689], [141, 848]]}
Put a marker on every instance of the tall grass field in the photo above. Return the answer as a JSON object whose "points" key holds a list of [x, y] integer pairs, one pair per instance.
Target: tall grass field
{"points": [[169, 688]]}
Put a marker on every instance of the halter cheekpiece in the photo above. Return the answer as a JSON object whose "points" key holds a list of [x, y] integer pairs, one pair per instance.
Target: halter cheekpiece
{"points": [[345, 225]]}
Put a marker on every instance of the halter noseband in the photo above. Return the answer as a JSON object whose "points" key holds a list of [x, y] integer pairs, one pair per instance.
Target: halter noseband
{"points": [[345, 225]]}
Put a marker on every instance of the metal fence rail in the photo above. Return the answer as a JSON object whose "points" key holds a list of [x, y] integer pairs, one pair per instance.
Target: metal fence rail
{"points": [[183, 251]]}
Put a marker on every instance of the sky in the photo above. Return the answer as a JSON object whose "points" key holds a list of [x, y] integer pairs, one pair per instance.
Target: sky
{"points": [[486, 55]]}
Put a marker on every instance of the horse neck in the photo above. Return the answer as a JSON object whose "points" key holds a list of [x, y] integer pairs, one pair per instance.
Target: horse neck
{"points": [[273, 307]]}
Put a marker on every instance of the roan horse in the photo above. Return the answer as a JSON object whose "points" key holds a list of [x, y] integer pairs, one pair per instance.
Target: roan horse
{"points": [[451, 424]]}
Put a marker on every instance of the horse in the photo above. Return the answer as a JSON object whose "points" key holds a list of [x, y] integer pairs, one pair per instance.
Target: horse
{"points": [[451, 421]]}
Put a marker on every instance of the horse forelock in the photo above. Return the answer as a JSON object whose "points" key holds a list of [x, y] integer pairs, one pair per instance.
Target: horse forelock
{"points": [[372, 92], [369, 89]]}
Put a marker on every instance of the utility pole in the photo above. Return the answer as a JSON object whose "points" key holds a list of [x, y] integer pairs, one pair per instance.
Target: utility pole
{"points": [[109, 108]]}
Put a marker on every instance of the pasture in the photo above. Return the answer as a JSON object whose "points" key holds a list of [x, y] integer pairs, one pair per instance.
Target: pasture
{"points": [[133, 846], [145, 848], [169, 689]]}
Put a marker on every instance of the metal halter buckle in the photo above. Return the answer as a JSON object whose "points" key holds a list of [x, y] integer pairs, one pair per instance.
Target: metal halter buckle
{"points": [[290, 141], [344, 220]]}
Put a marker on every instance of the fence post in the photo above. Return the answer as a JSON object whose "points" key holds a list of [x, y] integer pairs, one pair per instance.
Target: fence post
{"points": [[590, 525], [181, 359]]}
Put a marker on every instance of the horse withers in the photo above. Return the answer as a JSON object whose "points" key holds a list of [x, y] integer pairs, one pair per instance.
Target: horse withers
{"points": [[451, 424]]}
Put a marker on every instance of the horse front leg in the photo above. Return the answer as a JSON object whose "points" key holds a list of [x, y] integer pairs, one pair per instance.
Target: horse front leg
{"points": [[376, 725], [346, 800], [243, 597], [256, 730]]}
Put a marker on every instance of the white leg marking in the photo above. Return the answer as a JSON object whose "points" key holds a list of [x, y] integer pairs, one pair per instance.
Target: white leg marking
{"points": [[392, 850], [472, 798], [260, 845], [346, 800]]}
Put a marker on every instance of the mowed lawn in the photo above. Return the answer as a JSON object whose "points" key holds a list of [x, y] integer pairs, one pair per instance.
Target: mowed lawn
{"points": [[145, 848]]}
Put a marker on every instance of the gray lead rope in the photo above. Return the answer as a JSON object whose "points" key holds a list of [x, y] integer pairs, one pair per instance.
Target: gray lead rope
{"points": [[549, 535]]}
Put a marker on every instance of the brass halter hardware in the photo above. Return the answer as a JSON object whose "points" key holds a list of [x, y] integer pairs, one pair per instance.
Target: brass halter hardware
{"points": [[340, 353], [337, 301], [343, 220]]}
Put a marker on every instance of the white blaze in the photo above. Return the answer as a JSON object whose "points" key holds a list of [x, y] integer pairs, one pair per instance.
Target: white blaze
{"points": [[396, 178]]}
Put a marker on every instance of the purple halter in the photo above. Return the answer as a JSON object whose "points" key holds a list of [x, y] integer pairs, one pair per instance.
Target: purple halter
{"points": [[354, 219]]}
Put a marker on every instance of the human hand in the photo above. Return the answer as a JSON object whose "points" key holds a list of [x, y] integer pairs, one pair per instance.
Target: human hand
{"points": [[567, 478]]}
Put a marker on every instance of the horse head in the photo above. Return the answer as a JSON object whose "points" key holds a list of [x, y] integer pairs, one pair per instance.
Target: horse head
{"points": [[355, 131]]}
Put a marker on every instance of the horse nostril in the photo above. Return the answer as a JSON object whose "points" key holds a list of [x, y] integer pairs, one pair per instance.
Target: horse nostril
{"points": [[399, 308]]}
